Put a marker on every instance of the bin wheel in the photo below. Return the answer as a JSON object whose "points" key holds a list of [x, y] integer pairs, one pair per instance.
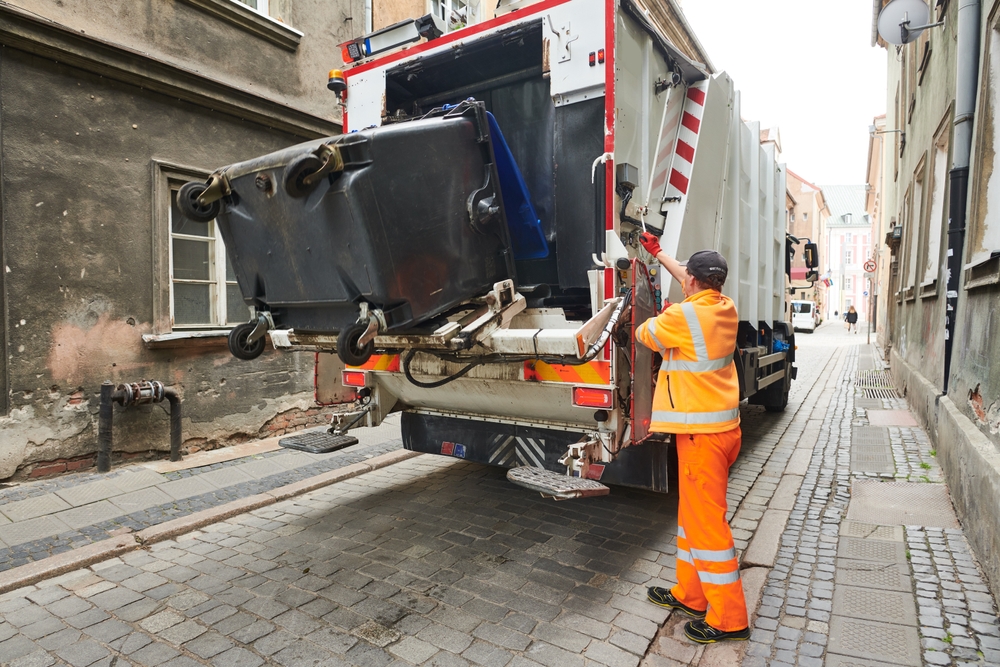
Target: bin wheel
{"points": [[187, 200], [347, 345], [296, 173], [241, 347]]}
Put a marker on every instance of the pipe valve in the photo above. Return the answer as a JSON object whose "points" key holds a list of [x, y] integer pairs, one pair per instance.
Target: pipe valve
{"points": [[140, 393]]}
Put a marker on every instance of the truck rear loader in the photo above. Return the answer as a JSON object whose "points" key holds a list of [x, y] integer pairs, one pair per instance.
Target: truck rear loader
{"points": [[469, 246]]}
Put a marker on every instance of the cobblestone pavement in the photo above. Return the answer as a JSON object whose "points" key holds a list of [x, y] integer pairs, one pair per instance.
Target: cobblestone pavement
{"points": [[436, 561]]}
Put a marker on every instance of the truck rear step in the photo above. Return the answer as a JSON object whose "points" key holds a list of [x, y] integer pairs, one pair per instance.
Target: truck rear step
{"points": [[317, 442], [553, 485]]}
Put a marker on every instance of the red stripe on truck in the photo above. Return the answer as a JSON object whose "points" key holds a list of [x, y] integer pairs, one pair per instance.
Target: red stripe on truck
{"points": [[679, 181], [685, 150], [690, 122], [697, 96]]}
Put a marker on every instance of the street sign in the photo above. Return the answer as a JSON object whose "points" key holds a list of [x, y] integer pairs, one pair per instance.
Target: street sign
{"points": [[870, 266], [865, 293]]}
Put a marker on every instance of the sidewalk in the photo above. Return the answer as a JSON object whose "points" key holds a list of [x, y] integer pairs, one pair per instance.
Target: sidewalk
{"points": [[871, 567], [43, 518]]}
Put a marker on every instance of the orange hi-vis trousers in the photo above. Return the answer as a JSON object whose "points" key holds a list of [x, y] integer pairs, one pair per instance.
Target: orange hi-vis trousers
{"points": [[708, 575]]}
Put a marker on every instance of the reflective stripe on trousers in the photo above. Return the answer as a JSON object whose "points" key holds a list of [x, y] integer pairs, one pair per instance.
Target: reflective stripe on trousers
{"points": [[708, 575]]}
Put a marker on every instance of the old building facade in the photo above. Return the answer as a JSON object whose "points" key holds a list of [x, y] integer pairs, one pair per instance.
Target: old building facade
{"points": [[807, 212], [938, 221], [847, 240], [106, 111]]}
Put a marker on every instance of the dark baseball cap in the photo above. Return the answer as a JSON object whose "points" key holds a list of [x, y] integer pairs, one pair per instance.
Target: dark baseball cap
{"points": [[707, 263]]}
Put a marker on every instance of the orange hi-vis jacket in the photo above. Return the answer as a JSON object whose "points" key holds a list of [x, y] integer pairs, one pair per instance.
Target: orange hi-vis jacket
{"points": [[697, 390]]}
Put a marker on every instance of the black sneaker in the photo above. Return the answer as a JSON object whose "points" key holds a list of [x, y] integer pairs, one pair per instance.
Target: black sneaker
{"points": [[664, 598], [703, 633]]}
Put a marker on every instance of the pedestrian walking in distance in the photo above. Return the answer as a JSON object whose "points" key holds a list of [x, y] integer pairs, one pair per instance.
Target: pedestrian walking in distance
{"points": [[697, 398], [852, 320]]}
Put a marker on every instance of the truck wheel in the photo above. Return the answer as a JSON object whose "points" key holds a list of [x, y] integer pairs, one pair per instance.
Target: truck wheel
{"points": [[347, 345], [778, 407], [296, 173], [241, 347], [187, 200]]}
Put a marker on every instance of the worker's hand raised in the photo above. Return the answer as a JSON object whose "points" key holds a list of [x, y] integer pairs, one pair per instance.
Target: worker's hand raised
{"points": [[650, 243]]}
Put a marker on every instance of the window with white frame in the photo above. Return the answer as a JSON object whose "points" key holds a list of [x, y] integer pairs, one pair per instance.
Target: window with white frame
{"points": [[457, 13], [848, 237], [849, 284], [203, 289], [848, 257], [260, 6]]}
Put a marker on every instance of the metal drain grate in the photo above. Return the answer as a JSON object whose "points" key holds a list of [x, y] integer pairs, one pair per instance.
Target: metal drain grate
{"points": [[873, 575], [887, 643], [879, 392], [873, 380], [901, 503], [869, 435]]}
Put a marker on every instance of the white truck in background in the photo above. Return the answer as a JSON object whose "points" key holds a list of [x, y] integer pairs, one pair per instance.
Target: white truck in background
{"points": [[615, 132]]}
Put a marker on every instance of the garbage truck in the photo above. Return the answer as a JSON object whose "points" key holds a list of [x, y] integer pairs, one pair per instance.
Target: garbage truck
{"points": [[468, 247]]}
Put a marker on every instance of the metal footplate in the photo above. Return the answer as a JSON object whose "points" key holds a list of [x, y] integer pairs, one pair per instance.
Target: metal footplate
{"points": [[553, 485], [317, 443]]}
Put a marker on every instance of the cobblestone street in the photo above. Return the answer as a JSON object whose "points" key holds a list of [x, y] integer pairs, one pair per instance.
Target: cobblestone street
{"points": [[436, 561]]}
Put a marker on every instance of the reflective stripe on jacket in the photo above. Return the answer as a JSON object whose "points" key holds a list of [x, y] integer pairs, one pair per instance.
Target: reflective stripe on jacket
{"points": [[697, 390]]}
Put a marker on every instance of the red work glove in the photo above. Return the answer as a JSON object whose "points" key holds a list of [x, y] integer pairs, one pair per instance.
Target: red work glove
{"points": [[650, 243]]}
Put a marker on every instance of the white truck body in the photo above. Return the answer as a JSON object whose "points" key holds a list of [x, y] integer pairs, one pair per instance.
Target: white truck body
{"points": [[669, 138]]}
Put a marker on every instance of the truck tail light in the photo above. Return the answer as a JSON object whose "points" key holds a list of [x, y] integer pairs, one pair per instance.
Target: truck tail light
{"points": [[354, 378], [587, 397]]}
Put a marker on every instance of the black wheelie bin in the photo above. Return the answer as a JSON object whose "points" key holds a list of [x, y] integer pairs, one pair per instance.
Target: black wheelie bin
{"points": [[406, 218]]}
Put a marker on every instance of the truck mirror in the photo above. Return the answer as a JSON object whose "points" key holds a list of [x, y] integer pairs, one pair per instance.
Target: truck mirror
{"points": [[812, 276], [812, 255]]}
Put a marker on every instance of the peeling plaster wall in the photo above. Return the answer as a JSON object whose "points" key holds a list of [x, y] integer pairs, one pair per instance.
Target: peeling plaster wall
{"points": [[77, 202]]}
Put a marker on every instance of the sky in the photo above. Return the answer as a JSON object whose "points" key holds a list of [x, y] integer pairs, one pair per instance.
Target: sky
{"points": [[805, 66]]}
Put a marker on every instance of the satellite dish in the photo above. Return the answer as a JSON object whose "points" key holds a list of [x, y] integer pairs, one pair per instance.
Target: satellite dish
{"points": [[902, 21]]}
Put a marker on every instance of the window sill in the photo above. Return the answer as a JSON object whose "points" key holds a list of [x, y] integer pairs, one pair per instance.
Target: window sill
{"points": [[247, 19], [929, 290], [985, 273], [186, 339], [908, 294]]}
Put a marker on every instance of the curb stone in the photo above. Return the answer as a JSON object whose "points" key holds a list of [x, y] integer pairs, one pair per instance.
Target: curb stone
{"points": [[52, 566]]}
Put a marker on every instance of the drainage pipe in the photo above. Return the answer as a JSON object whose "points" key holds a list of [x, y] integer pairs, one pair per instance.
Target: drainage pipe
{"points": [[137, 393], [104, 427], [966, 85], [175, 423]]}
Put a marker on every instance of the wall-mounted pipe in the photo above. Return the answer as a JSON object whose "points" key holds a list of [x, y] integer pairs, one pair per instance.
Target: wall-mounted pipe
{"points": [[136, 393], [966, 87]]}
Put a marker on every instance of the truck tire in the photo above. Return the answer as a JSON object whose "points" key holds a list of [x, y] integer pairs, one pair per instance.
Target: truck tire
{"points": [[187, 201], [778, 407]]}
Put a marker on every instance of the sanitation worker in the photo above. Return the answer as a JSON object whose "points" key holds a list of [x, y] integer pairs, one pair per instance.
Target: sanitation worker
{"points": [[697, 399]]}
